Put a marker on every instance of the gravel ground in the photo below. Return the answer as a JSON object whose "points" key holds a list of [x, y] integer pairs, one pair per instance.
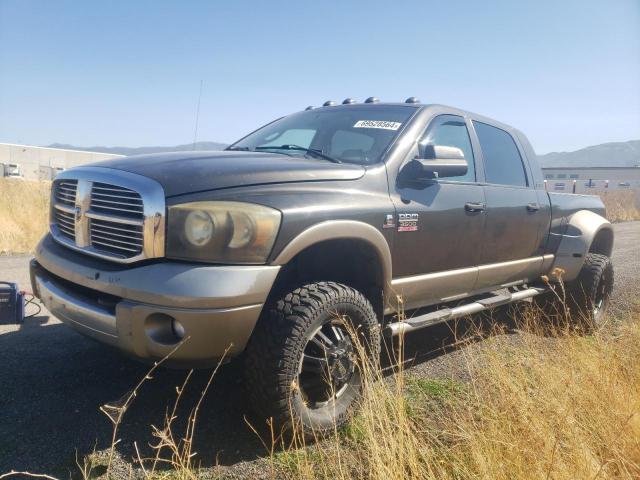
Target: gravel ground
{"points": [[53, 381]]}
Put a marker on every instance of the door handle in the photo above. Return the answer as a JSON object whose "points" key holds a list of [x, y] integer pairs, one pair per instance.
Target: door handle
{"points": [[533, 207], [474, 207]]}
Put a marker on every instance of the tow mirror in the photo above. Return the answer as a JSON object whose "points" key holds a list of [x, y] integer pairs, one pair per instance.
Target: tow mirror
{"points": [[436, 161]]}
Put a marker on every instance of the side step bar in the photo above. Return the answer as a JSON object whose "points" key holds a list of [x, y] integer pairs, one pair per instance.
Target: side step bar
{"points": [[445, 314]]}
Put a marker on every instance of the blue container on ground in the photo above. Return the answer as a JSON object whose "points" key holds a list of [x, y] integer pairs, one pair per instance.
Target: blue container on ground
{"points": [[11, 303]]}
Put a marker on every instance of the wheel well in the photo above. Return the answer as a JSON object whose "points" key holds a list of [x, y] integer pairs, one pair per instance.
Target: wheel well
{"points": [[352, 262], [603, 242]]}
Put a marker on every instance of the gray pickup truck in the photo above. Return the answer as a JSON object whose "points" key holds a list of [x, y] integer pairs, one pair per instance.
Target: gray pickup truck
{"points": [[305, 237]]}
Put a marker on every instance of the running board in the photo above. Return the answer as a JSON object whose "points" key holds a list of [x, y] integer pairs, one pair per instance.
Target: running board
{"points": [[445, 314]]}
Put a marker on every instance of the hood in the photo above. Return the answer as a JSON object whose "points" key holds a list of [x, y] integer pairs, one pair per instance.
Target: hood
{"points": [[180, 173]]}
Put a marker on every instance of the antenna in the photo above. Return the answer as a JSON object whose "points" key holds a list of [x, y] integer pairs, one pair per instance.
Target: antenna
{"points": [[195, 130]]}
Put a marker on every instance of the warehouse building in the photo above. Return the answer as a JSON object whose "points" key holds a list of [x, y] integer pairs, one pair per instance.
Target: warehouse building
{"points": [[589, 179], [42, 163]]}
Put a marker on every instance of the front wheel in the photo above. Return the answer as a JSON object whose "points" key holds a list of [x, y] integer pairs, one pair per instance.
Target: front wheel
{"points": [[303, 365]]}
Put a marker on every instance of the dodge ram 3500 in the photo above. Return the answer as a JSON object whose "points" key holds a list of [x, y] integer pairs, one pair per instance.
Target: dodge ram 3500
{"points": [[299, 237]]}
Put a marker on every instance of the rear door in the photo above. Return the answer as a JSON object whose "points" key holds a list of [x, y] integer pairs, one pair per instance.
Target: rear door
{"points": [[515, 220]]}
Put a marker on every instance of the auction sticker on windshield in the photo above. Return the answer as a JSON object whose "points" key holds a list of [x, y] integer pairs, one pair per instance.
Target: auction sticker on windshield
{"points": [[377, 124]]}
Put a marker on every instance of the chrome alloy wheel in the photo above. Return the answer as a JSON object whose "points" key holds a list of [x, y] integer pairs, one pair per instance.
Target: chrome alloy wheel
{"points": [[327, 364]]}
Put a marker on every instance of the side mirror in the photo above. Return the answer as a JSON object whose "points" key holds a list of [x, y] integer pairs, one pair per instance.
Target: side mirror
{"points": [[436, 161]]}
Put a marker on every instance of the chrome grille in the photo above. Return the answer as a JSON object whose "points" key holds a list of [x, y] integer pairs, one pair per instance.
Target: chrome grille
{"points": [[116, 200], [109, 214], [117, 238], [64, 201], [65, 192], [66, 223], [112, 235]]}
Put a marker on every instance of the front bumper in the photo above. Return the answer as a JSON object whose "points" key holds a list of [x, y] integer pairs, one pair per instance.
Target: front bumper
{"points": [[133, 308]]}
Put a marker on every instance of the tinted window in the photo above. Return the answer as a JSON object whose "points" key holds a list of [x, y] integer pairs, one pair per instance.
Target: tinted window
{"points": [[502, 162], [451, 131], [350, 133], [295, 136], [350, 146]]}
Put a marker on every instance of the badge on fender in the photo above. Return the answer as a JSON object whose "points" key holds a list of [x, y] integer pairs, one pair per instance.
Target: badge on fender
{"points": [[408, 222]]}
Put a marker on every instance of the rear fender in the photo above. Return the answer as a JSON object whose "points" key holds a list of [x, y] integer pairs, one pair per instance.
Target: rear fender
{"points": [[583, 228]]}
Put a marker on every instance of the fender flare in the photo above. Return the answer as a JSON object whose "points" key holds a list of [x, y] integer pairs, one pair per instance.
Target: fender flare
{"points": [[582, 229], [340, 229]]}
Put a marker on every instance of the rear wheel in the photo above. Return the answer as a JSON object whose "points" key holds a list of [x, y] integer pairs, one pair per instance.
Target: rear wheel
{"points": [[587, 297], [304, 361]]}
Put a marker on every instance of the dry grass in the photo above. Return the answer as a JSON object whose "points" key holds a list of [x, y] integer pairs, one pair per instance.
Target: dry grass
{"points": [[622, 205], [24, 214], [566, 407]]}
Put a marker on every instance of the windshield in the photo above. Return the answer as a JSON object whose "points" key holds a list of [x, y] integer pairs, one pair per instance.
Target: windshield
{"points": [[351, 134]]}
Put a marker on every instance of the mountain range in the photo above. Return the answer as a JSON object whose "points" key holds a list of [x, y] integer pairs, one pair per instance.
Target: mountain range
{"points": [[613, 154]]}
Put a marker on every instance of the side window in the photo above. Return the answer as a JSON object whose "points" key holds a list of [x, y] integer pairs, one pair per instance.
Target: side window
{"points": [[502, 162], [451, 131]]}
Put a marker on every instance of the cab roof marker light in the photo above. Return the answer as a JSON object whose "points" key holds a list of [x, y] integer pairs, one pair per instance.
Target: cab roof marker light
{"points": [[372, 100], [310, 107], [349, 101], [412, 100], [329, 103]]}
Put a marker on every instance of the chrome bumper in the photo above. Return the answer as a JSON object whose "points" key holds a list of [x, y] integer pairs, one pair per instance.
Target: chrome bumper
{"points": [[135, 308]]}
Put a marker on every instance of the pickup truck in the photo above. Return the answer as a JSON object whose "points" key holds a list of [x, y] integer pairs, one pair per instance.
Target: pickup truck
{"points": [[316, 234]]}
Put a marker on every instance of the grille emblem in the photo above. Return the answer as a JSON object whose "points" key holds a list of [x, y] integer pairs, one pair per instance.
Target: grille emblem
{"points": [[78, 212]]}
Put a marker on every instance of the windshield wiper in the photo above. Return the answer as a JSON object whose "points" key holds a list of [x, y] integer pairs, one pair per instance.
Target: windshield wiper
{"points": [[238, 149], [312, 151]]}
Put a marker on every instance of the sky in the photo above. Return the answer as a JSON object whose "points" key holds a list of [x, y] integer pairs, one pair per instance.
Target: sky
{"points": [[128, 73]]}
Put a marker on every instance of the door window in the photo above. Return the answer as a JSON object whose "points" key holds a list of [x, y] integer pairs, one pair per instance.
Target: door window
{"points": [[451, 131], [502, 162]]}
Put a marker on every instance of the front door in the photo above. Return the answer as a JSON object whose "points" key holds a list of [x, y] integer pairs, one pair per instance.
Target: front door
{"points": [[439, 225], [515, 219]]}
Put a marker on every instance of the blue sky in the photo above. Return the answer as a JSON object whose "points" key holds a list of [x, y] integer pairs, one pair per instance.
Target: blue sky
{"points": [[567, 73]]}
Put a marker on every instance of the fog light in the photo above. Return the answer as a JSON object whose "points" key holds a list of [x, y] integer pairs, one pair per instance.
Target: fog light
{"points": [[177, 328]]}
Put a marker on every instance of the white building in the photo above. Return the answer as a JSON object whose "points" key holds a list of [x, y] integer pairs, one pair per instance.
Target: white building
{"points": [[42, 162], [586, 179]]}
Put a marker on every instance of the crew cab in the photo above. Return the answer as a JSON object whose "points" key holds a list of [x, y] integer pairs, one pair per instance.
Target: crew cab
{"points": [[315, 234]]}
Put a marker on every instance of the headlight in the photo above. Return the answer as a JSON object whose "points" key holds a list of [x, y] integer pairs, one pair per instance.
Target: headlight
{"points": [[198, 228], [221, 232]]}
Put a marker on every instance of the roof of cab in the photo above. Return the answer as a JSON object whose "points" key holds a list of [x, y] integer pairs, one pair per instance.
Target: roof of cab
{"points": [[425, 106]]}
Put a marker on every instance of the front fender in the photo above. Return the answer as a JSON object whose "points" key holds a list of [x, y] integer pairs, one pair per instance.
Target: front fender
{"points": [[340, 229], [583, 228]]}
